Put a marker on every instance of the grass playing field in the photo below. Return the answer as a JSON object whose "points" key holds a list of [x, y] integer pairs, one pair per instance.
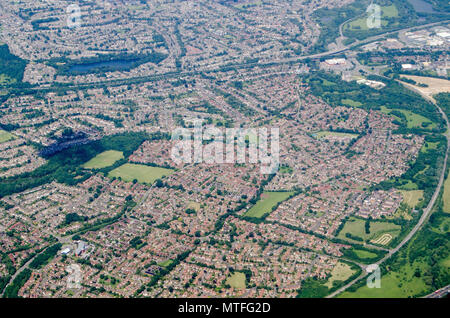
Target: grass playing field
{"points": [[5, 136], [266, 203], [143, 174], [356, 227], [351, 102], [340, 272], [322, 134], [166, 263], [446, 195], [104, 159], [237, 280], [364, 254]]}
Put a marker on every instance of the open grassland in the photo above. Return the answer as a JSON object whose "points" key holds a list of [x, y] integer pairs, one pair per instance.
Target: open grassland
{"points": [[413, 120], [361, 23], [266, 203], [340, 272], [429, 146], [5, 136], [356, 227], [194, 205], [446, 195], [400, 284], [5, 79], [351, 102], [166, 263], [236, 280], [412, 197], [104, 159], [323, 134], [143, 174]]}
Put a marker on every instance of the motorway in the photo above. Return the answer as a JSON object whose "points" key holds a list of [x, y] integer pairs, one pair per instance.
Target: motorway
{"points": [[440, 293]]}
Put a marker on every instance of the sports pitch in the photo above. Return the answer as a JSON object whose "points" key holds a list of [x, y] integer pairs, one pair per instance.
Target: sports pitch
{"points": [[104, 159], [266, 203], [143, 174]]}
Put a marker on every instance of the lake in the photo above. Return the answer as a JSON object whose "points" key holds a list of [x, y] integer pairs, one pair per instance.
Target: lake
{"points": [[422, 6]]}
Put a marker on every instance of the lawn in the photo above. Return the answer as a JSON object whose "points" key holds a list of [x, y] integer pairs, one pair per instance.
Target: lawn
{"points": [[266, 203], [413, 120], [5, 136], [429, 146], [104, 159], [322, 134], [364, 254], [166, 263], [340, 272], [409, 186], [412, 197], [194, 205], [356, 227], [143, 174], [237, 280], [446, 195], [5, 79], [351, 102]]}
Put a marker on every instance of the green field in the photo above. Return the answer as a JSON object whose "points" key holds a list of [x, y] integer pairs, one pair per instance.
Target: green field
{"points": [[412, 197], [356, 227], [393, 285], [413, 120], [364, 254], [361, 23], [5, 79], [446, 195], [166, 263], [429, 146], [5, 136], [143, 174], [341, 272], [104, 159], [351, 102], [237, 280], [322, 134], [266, 203]]}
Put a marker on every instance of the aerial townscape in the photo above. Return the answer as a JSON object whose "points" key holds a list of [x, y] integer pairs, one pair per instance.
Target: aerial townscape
{"points": [[351, 98]]}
